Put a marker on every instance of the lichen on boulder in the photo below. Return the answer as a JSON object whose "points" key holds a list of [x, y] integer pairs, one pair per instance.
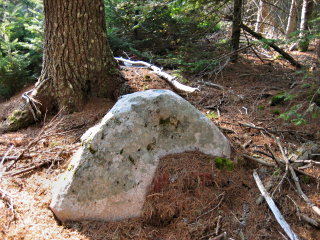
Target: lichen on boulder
{"points": [[110, 174]]}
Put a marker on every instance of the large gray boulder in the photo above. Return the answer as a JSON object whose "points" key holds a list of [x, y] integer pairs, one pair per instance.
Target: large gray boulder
{"points": [[109, 176]]}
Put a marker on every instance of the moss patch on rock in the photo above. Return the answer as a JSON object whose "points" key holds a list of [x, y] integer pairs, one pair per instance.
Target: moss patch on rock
{"points": [[18, 119]]}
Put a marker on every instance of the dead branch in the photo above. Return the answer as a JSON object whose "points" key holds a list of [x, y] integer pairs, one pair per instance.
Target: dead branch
{"points": [[7, 199], [310, 220], [263, 153], [307, 161], [209, 84], [231, 53], [226, 130], [171, 79], [28, 169], [271, 44], [258, 160], [268, 186], [218, 225], [282, 163], [46, 131], [304, 217], [255, 127], [5, 156], [279, 163], [273, 155], [280, 219], [297, 183], [10, 158]]}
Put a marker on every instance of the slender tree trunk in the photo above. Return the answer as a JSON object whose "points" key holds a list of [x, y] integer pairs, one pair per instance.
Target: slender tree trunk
{"points": [[77, 61], [307, 7], [318, 51], [292, 20], [262, 13], [236, 29]]}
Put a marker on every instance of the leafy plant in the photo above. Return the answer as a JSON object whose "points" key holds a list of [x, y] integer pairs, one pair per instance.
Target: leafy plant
{"points": [[280, 98], [222, 163], [212, 115], [294, 116], [276, 112]]}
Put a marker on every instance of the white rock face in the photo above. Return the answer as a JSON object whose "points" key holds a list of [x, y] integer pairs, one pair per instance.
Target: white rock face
{"points": [[109, 176]]}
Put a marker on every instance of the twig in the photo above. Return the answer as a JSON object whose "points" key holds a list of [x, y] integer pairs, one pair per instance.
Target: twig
{"points": [[264, 153], [273, 155], [231, 53], [7, 199], [304, 217], [255, 127], [211, 210], [280, 219], [214, 85], [259, 160], [226, 130], [10, 158], [45, 132], [222, 236], [281, 163], [5, 156], [218, 224], [28, 169], [307, 161], [305, 166]]}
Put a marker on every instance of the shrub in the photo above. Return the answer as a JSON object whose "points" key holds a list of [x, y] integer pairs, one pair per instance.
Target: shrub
{"points": [[20, 45]]}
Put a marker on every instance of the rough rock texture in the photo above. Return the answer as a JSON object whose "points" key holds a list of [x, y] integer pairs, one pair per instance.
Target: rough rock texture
{"points": [[109, 176]]}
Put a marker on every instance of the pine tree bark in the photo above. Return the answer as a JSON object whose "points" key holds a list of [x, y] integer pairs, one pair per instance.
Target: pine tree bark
{"points": [[77, 62], [236, 29], [292, 20]]}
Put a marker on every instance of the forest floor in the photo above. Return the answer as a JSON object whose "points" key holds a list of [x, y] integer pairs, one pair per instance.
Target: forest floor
{"points": [[204, 201]]}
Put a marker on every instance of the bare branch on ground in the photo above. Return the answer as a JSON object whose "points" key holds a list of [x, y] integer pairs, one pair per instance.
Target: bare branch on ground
{"points": [[171, 79], [280, 219]]}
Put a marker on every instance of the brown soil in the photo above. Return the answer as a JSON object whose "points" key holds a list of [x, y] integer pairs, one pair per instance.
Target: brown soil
{"points": [[190, 197]]}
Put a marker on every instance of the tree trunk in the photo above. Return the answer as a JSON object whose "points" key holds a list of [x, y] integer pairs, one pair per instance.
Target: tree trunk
{"points": [[77, 61], [318, 51], [236, 29], [292, 20], [306, 12], [262, 13]]}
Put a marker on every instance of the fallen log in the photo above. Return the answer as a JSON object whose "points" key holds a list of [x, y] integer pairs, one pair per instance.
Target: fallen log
{"points": [[271, 44], [171, 79]]}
